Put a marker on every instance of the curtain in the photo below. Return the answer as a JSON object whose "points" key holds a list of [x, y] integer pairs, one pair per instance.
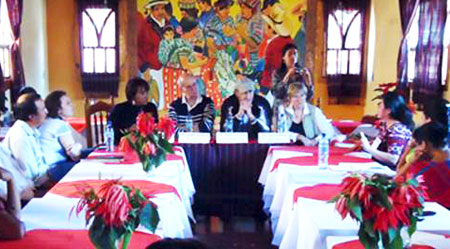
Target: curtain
{"points": [[15, 8], [428, 62], [346, 88], [2, 92], [407, 10]]}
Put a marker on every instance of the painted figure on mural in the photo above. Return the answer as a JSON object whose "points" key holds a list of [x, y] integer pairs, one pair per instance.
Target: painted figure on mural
{"points": [[207, 12], [188, 8], [220, 41], [176, 55], [149, 36], [300, 38], [278, 30], [249, 35]]}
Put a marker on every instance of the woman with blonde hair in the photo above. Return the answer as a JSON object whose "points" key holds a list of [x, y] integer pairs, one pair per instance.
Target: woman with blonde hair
{"points": [[303, 119]]}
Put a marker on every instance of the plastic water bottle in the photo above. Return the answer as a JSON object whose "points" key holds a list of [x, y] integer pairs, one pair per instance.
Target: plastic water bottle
{"points": [[281, 128], [109, 137], [189, 124], [228, 126], [323, 152]]}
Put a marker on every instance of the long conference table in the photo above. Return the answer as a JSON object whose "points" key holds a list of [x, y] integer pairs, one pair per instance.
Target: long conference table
{"points": [[296, 194], [170, 186]]}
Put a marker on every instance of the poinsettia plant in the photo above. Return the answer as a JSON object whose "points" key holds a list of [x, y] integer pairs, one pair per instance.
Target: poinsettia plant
{"points": [[382, 205], [117, 211], [149, 140]]}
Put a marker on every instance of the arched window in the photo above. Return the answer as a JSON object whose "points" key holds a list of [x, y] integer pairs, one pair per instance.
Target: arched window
{"points": [[6, 41], [344, 49], [99, 47]]}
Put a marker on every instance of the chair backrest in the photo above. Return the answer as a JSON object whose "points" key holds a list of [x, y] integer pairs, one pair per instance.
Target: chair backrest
{"points": [[97, 116]]}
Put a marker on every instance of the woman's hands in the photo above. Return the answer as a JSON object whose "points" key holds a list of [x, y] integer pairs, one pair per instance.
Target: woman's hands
{"points": [[306, 141], [5, 175]]}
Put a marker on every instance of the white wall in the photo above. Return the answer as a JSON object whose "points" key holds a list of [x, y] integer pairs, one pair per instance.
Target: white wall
{"points": [[34, 45]]}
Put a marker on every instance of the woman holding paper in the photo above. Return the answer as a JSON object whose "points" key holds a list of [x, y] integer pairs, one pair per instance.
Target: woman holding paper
{"points": [[396, 125], [306, 121]]}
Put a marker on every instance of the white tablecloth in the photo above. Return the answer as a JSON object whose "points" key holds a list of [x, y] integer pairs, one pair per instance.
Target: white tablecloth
{"points": [[314, 220], [52, 211]]}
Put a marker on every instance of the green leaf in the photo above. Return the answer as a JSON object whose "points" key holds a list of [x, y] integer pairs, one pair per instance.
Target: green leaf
{"points": [[391, 234], [367, 241], [413, 226], [357, 211], [397, 243], [149, 217], [102, 236], [413, 182]]}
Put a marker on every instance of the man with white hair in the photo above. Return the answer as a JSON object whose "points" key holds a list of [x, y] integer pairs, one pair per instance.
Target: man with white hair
{"points": [[251, 113], [192, 112]]}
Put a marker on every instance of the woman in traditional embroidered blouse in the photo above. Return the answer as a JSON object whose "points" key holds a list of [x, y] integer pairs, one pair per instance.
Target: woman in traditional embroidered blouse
{"points": [[432, 161], [395, 130]]}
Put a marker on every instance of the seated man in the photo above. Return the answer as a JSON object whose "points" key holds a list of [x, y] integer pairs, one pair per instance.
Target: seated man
{"points": [[22, 140], [250, 113], [193, 111], [11, 227]]}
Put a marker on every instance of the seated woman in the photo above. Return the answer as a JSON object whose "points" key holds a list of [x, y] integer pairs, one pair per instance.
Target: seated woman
{"points": [[11, 227], [123, 116], [433, 111], [432, 161], [395, 130], [290, 72], [57, 140], [302, 118]]}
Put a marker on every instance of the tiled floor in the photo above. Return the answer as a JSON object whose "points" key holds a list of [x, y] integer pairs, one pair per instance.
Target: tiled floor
{"points": [[239, 232]]}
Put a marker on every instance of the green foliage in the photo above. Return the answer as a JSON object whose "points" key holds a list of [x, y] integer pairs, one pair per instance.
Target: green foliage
{"points": [[149, 217]]}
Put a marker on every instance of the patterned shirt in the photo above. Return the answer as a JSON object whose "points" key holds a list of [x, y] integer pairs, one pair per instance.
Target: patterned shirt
{"points": [[202, 114], [394, 138], [170, 51]]}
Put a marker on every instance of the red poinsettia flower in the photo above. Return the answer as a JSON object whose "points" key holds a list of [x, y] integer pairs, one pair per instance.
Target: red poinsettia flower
{"points": [[115, 206], [352, 185], [149, 149], [145, 124], [341, 206], [124, 145], [167, 126]]}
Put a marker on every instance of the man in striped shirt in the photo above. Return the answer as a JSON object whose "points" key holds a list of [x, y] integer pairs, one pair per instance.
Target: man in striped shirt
{"points": [[192, 112]]}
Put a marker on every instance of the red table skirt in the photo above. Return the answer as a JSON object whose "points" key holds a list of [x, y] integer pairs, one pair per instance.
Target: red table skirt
{"points": [[78, 124], [313, 160], [322, 192], [346, 127], [72, 189], [355, 244], [70, 239]]}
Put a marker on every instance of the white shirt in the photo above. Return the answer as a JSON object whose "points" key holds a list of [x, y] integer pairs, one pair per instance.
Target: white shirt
{"points": [[322, 123], [51, 130], [23, 143], [11, 165]]}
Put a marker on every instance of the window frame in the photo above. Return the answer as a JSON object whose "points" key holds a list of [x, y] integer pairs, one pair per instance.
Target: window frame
{"points": [[99, 84], [5, 48]]}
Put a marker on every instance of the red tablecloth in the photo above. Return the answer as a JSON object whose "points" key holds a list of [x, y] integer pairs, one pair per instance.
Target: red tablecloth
{"points": [[322, 192], [72, 189], [78, 124], [312, 160], [355, 244], [70, 239], [346, 127], [128, 158], [310, 149]]}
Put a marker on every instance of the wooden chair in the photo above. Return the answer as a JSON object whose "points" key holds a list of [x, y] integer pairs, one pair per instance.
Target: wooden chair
{"points": [[97, 115]]}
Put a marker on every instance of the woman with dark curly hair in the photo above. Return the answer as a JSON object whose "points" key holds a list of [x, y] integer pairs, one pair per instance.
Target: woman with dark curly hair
{"points": [[124, 114], [396, 125]]}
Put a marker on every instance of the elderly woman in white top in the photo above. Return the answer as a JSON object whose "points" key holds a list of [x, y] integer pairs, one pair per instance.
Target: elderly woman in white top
{"points": [[57, 139], [301, 118]]}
